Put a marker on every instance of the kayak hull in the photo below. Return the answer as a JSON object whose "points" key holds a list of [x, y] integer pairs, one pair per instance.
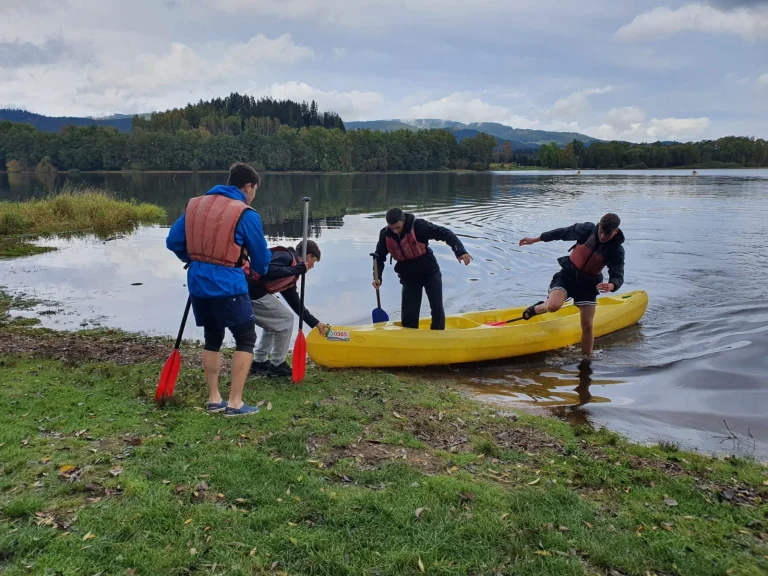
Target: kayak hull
{"points": [[467, 337]]}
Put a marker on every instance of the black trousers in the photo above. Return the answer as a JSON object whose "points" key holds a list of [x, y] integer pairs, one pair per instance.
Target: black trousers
{"points": [[411, 304]]}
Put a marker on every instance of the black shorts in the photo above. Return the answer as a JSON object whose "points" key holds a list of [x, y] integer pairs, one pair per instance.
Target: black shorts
{"points": [[233, 312], [584, 292]]}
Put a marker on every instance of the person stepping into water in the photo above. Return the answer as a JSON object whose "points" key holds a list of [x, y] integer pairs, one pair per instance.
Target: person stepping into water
{"points": [[406, 238], [580, 276], [285, 269]]}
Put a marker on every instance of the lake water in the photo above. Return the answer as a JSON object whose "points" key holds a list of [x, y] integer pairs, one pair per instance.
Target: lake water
{"points": [[696, 244]]}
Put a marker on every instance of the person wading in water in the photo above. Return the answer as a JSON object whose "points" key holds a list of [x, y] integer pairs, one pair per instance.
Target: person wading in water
{"points": [[580, 276]]}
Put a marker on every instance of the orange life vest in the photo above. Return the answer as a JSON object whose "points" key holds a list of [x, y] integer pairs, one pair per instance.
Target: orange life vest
{"points": [[587, 258], [405, 248], [209, 224], [278, 284]]}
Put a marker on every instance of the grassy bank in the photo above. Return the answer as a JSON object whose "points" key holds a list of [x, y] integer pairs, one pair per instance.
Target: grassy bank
{"points": [[71, 211], [353, 472]]}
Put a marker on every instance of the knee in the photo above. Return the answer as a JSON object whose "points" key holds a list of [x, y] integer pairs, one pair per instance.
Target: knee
{"points": [[245, 337], [553, 306], [213, 339], [587, 324]]}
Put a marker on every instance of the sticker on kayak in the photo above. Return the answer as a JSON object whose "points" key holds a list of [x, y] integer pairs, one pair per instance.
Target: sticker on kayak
{"points": [[338, 335]]}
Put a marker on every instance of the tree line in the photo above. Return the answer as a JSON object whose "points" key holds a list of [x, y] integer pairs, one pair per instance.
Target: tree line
{"points": [[731, 151], [276, 147], [236, 113]]}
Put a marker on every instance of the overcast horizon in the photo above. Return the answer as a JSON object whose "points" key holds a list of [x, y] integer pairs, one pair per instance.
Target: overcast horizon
{"points": [[635, 70]]}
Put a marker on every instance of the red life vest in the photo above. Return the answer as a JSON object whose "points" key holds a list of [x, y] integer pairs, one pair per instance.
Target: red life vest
{"points": [[587, 258], [209, 225], [405, 248], [278, 284]]}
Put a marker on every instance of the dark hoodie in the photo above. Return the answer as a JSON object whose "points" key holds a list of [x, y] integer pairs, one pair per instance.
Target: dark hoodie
{"points": [[612, 252], [281, 266], [425, 265]]}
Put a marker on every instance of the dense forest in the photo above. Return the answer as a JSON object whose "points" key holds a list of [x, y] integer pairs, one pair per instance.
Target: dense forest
{"points": [[730, 151], [237, 113], [264, 142]]}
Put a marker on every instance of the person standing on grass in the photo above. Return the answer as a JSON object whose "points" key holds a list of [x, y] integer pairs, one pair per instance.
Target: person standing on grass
{"points": [[217, 234], [285, 269], [580, 276], [406, 239]]}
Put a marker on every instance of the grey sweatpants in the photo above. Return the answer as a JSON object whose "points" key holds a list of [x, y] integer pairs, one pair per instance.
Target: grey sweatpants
{"points": [[277, 322]]}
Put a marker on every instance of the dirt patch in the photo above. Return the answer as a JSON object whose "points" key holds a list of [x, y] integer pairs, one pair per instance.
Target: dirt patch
{"points": [[76, 349], [523, 439], [371, 455]]}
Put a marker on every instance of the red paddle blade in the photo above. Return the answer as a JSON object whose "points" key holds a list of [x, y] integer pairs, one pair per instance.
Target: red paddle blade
{"points": [[299, 358], [168, 376], [499, 323]]}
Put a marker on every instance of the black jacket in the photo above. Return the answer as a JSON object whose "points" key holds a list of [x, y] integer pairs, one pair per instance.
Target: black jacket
{"points": [[612, 252], [425, 231], [281, 266]]}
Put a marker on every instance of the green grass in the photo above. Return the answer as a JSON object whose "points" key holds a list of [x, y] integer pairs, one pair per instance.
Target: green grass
{"points": [[352, 472], [71, 211]]}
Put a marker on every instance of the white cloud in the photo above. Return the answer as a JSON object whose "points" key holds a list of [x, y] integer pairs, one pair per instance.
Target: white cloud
{"points": [[465, 107], [577, 102], [149, 73], [763, 80], [625, 118], [339, 53], [628, 123], [676, 128], [747, 22], [352, 105]]}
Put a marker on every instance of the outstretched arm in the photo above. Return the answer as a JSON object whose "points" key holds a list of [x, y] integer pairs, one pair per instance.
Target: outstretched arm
{"points": [[576, 233], [428, 231]]}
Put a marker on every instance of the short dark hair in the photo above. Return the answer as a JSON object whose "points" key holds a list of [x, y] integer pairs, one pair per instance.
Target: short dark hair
{"points": [[609, 222], [241, 174], [395, 215], [312, 249]]}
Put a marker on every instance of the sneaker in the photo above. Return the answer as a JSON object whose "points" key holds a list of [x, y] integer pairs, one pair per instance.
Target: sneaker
{"points": [[244, 410], [259, 368], [216, 407], [279, 371]]}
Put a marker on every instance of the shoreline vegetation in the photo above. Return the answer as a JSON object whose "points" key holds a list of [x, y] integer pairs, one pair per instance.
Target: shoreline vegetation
{"points": [[72, 210], [353, 472], [492, 167]]}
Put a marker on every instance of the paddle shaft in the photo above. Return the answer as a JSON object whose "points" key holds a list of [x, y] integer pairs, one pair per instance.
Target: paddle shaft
{"points": [[183, 323], [304, 256], [376, 278]]}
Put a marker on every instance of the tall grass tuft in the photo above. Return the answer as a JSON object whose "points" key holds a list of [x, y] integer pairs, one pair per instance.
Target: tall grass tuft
{"points": [[76, 209]]}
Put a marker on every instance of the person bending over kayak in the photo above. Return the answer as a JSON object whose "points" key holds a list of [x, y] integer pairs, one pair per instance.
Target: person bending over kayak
{"points": [[580, 276], [406, 239], [285, 269], [217, 234]]}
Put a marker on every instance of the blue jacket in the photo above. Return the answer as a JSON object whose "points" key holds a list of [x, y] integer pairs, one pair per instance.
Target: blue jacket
{"points": [[206, 280]]}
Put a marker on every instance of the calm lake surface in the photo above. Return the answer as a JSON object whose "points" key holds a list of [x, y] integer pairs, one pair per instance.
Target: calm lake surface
{"points": [[696, 244]]}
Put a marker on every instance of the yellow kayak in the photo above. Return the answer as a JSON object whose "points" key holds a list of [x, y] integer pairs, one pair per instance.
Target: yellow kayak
{"points": [[467, 337]]}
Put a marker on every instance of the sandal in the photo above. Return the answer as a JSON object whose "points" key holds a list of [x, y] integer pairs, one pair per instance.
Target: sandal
{"points": [[530, 312]]}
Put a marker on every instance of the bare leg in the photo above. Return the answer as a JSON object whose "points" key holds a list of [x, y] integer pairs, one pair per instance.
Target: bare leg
{"points": [[211, 367], [241, 363], [553, 303], [587, 334]]}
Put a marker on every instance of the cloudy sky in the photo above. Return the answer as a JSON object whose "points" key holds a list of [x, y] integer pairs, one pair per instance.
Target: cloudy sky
{"points": [[632, 69]]}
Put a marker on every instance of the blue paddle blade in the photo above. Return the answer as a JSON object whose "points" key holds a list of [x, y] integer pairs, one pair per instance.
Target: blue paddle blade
{"points": [[379, 316]]}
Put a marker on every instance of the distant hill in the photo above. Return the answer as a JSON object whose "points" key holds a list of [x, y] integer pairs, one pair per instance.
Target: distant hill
{"points": [[380, 125], [55, 124], [521, 139]]}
